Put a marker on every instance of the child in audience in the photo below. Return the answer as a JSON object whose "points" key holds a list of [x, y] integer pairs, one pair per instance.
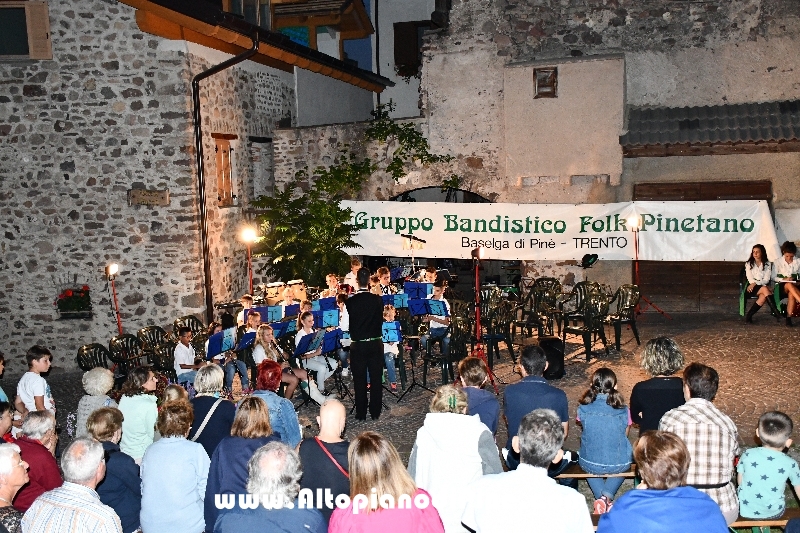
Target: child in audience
{"points": [[605, 448], [390, 350], [33, 392], [96, 382], [474, 374], [762, 472]]}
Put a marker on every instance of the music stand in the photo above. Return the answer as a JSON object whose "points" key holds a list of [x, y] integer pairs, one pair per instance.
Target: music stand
{"points": [[412, 243], [635, 224], [414, 382]]}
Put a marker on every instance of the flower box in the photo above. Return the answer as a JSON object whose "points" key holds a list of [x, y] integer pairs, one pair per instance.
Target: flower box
{"points": [[74, 302]]}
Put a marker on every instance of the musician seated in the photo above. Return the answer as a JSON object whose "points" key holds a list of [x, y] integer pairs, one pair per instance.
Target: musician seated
{"points": [[305, 305], [288, 297], [385, 281], [247, 303], [438, 325], [266, 348], [344, 324], [429, 275], [350, 278], [375, 285], [323, 366], [232, 364], [333, 286]]}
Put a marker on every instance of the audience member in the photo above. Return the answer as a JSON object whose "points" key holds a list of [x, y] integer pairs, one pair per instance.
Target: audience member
{"points": [[13, 475], [275, 472], [282, 416], [526, 499], [474, 374], [664, 505], [96, 382], [785, 270], [324, 457], [3, 396], [186, 366], [710, 436], [121, 489], [530, 393], [652, 398], [451, 451], [228, 471], [75, 506], [37, 443], [6, 422], [213, 416], [763, 471], [33, 392], [376, 466], [139, 410], [174, 393], [605, 448], [174, 475]]}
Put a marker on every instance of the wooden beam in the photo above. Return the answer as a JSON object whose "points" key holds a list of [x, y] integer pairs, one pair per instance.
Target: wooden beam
{"points": [[312, 37], [305, 20], [688, 149]]}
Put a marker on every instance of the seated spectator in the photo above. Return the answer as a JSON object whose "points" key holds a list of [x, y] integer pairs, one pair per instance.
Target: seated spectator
{"points": [[3, 395], [324, 457], [282, 416], [213, 416], [474, 375], [275, 472], [228, 471], [139, 412], [75, 502], [96, 382], [37, 443], [174, 474], [664, 505], [173, 393], [763, 471], [530, 393], [526, 499], [6, 421], [13, 475], [710, 436], [376, 466], [652, 398], [121, 489], [451, 451]]}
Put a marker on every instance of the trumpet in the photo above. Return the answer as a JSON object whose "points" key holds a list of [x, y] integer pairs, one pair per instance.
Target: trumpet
{"points": [[423, 329]]}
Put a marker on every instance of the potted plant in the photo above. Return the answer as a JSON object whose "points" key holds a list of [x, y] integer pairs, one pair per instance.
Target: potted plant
{"points": [[74, 302]]}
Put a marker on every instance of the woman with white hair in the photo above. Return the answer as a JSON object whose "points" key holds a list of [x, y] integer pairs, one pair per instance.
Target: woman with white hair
{"points": [[96, 382], [213, 415], [13, 475]]}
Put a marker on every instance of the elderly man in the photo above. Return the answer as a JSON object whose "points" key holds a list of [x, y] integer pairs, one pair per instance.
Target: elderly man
{"points": [[75, 506], [274, 476], [526, 499], [37, 444], [710, 436]]}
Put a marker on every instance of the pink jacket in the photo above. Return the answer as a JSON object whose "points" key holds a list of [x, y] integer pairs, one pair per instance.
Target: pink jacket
{"points": [[387, 520]]}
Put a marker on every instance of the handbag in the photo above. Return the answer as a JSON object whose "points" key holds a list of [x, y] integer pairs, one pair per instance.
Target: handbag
{"points": [[206, 419]]}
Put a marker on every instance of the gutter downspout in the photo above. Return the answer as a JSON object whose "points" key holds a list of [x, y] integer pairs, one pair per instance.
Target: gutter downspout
{"points": [[201, 178]]}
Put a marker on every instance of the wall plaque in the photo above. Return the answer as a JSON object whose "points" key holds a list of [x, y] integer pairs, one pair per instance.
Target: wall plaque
{"points": [[148, 197]]}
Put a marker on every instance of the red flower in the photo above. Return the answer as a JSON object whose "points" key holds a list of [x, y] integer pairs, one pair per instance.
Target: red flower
{"points": [[85, 288], [68, 293], [61, 296]]}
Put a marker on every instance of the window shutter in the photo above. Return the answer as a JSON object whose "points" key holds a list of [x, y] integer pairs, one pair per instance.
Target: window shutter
{"points": [[38, 22]]}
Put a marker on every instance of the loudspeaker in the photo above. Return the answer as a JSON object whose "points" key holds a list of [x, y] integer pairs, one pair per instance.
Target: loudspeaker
{"points": [[554, 351]]}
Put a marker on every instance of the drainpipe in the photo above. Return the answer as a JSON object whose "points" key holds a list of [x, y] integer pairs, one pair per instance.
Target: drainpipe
{"points": [[377, 48], [201, 178]]}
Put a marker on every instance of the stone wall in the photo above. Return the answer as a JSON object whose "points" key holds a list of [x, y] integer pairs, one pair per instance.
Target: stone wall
{"points": [[111, 112]]}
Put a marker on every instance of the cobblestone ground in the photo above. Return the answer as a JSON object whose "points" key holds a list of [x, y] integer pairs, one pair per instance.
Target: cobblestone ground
{"points": [[758, 367]]}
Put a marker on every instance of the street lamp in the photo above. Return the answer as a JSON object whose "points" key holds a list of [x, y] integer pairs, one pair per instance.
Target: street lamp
{"points": [[248, 236], [111, 273]]}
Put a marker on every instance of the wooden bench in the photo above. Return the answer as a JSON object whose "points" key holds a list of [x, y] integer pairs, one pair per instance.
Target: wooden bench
{"points": [[574, 471]]}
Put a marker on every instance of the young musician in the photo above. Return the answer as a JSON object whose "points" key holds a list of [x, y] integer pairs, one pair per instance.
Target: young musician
{"points": [[438, 323], [247, 303], [350, 278], [333, 286], [323, 366], [385, 281], [288, 297], [266, 348]]}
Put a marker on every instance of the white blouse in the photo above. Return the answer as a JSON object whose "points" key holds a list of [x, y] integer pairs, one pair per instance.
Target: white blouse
{"points": [[760, 275]]}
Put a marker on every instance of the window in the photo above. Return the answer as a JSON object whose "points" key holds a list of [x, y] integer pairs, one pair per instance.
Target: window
{"points": [[408, 47], [545, 82], [224, 147], [25, 31]]}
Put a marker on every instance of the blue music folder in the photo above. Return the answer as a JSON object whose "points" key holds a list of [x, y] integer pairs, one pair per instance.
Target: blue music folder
{"points": [[291, 310], [221, 342], [247, 340], [330, 341], [309, 343], [325, 304], [271, 313], [397, 300], [391, 332], [326, 319], [282, 328], [417, 290], [427, 307]]}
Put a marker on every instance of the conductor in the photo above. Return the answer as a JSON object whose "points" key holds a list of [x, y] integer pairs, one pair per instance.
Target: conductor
{"points": [[366, 351]]}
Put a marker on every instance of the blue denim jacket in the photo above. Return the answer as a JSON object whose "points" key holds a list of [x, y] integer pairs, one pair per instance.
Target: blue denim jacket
{"points": [[282, 417], [605, 449]]}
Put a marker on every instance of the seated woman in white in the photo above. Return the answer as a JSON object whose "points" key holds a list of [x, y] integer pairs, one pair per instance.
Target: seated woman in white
{"points": [[314, 360]]}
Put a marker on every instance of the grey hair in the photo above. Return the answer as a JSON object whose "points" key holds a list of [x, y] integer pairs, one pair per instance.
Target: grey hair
{"points": [[81, 459], [540, 437], [37, 423], [97, 381], [662, 357], [274, 471], [7, 452], [209, 379]]}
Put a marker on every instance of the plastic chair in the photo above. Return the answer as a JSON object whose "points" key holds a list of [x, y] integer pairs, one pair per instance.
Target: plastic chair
{"points": [[441, 360], [579, 294], [595, 310], [92, 356], [189, 321], [126, 352], [499, 329], [151, 338], [544, 310], [164, 359], [627, 298]]}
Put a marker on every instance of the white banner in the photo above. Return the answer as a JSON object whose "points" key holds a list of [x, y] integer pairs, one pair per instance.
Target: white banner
{"points": [[669, 231]]}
